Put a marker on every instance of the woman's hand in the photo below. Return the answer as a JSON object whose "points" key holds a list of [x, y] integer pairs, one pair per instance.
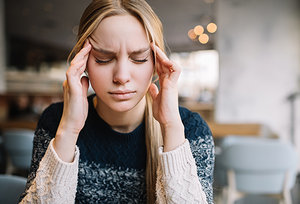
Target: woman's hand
{"points": [[165, 100], [75, 106]]}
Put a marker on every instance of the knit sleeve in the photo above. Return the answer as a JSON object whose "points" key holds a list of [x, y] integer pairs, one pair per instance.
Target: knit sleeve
{"points": [[177, 179], [201, 147], [45, 132], [55, 180]]}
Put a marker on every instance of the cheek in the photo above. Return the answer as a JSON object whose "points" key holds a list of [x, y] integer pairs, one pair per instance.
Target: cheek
{"points": [[92, 70], [95, 76], [145, 77]]}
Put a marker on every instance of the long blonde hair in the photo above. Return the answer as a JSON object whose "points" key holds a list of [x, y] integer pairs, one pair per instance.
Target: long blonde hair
{"points": [[96, 11]]}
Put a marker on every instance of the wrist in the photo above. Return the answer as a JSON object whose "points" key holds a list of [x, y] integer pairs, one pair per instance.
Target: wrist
{"points": [[175, 124], [67, 136], [173, 136], [67, 128], [64, 143], [65, 149]]}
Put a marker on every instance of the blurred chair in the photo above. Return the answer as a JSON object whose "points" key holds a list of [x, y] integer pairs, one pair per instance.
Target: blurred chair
{"points": [[18, 144], [2, 156], [256, 166], [11, 188]]}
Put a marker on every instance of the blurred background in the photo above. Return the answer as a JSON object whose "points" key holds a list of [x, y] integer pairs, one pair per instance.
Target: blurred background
{"points": [[241, 72]]}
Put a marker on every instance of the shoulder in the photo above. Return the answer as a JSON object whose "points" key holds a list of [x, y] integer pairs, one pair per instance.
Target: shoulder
{"points": [[50, 118], [46, 129], [202, 147], [194, 125], [198, 133]]}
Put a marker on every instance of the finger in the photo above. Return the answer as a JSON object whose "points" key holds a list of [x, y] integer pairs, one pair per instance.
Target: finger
{"points": [[167, 64], [158, 68], [160, 55], [79, 65], [77, 69], [82, 53], [162, 72], [85, 85], [161, 69], [153, 90], [159, 60], [82, 68], [74, 76]]}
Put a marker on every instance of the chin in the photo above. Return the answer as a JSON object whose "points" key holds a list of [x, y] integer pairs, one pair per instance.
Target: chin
{"points": [[122, 106]]}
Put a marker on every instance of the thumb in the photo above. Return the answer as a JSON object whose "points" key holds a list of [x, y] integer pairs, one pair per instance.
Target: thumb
{"points": [[153, 90], [85, 85]]}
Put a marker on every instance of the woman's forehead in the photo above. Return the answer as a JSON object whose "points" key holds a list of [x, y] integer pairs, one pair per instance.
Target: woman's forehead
{"points": [[109, 50], [119, 31]]}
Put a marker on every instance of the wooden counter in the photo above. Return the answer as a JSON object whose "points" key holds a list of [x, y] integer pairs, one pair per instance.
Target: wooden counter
{"points": [[18, 124], [222, 129], [218, 130]]}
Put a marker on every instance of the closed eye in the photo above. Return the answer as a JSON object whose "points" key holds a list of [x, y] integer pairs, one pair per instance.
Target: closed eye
{"points": [[140, 61], [103, 61]]}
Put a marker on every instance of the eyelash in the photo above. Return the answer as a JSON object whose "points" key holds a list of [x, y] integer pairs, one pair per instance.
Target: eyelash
{"points": [[103, 61], [107, 61], [141, 61]]}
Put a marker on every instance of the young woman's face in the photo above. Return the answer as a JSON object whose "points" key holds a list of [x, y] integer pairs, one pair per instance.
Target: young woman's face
{"points": [[120, 65]]}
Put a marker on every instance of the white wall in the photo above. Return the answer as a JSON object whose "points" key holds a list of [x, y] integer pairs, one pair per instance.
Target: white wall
{"points": [[297, 126], [259, 47], [2, 48]]}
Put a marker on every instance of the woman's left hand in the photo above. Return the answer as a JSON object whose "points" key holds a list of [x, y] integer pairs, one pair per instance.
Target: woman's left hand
{"points": [[165, 100]]}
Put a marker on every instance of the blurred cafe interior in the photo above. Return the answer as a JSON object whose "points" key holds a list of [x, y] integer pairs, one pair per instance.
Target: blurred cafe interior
{"points": [[240, 65]]}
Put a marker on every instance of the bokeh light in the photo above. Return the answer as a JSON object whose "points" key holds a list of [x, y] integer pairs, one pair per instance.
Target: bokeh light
{"points": [[198, 30], [212, 27], [203, 38], [192, 34]]}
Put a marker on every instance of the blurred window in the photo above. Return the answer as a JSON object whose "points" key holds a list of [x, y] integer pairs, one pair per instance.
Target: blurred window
{"points": [[200, 73]]}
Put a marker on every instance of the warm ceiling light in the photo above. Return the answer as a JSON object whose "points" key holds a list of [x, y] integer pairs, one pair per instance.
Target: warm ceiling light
{"points": [[198, 30], [203, 38], [192, 34], [212, 27]]}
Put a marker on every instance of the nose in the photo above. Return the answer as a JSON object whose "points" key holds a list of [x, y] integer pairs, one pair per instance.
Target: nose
{"points": [[121, 72]]}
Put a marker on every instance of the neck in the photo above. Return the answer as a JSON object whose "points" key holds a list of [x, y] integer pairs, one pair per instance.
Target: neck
{"points": [[123, 122]]}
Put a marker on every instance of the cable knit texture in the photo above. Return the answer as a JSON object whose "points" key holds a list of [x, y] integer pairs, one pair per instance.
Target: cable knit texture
{"points": [[56, 180], [177, 177], [111, 166]]}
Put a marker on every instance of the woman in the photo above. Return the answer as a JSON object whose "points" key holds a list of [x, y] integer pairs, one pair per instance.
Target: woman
{"points": [[120, 129]]}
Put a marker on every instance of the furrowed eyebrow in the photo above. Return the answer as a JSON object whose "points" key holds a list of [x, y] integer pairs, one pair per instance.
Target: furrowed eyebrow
{"points": [[108, 52], [140, 51], [103, 51]]}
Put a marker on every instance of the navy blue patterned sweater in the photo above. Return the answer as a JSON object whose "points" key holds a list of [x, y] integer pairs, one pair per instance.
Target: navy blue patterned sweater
{"points": [[112, 164]]}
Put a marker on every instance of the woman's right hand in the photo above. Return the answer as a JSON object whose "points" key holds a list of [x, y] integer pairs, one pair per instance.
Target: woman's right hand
{"points": [[75, 108]]}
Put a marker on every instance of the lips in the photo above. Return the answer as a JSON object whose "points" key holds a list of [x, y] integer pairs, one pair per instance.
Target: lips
{"points": [[122, 94]]}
